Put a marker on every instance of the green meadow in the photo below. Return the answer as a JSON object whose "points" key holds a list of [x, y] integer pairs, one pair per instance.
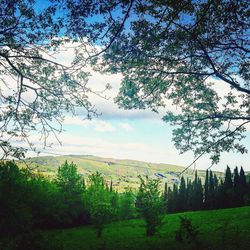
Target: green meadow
{"points": [[218, 229]]}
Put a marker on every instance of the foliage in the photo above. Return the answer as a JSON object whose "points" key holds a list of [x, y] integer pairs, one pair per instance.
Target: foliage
{"points": [[37, 88], [171, 53], [68, 180], [187, 232], [15, 198], [150, 204], [99, 202], [168, 53], [71, 186], [127, 209], [30, 202], [195, 196]]}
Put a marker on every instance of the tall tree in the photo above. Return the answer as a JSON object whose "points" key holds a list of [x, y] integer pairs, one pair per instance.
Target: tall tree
{"points": [[242, 179], [227, 188], [189, 194], [71, 185], [170, 201], [236, 192], [175, 198], [165, 195], [236, 178], [243, 186], [182, 197], [198, 193], [228, 183], [211, 190], [206, 189]]}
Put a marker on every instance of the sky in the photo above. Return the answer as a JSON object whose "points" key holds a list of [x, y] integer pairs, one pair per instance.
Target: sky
{"points": [[127, 134]]}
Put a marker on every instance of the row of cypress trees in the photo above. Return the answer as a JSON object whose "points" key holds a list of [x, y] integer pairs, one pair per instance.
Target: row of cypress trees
{"points": [[232, 191]]}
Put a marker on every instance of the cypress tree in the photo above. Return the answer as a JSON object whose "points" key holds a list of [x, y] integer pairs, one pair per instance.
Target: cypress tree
{"points": [[242, 185], [211, 182], [170, 200], [242, 179], [228, 183], [216, 183], [237, 197], [211, 191], [236, 179], [175, 198], [199, 194], [228, 188], [206, 190], [189, 194], [182, 195], [216, 190], [165, 195]]}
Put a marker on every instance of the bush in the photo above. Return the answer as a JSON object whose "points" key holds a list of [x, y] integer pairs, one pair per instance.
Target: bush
{"points": [[187, 232]]}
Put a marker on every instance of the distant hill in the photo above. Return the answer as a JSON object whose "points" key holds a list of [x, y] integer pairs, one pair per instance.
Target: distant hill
{"points": [[123, 173]]}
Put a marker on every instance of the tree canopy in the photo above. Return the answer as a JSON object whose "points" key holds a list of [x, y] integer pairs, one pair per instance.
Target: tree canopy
{"points": [[172, 53], [169, 53], [36, 88]]}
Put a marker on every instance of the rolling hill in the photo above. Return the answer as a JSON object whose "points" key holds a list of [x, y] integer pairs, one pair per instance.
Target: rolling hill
{"points": [[123, 173]]}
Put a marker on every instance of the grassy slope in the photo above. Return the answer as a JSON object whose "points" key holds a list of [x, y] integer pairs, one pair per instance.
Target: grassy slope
{"points": [[219, 229], [123, 172]]}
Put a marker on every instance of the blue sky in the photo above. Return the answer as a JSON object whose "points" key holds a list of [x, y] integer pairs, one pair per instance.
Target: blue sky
{"points": [[139, 135], [128, 134]]}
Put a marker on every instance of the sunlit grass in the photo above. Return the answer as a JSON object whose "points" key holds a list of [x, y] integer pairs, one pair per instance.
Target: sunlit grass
{"points": [[219, 229]]}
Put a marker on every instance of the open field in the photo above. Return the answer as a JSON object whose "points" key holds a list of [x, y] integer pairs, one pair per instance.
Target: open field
{"points": [[218, 229]]}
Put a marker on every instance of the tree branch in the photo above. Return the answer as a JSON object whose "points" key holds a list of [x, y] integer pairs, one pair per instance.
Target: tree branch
{"points": [[210, 146]]}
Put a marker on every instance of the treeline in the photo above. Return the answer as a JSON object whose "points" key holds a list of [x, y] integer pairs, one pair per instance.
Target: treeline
{"points": [[31, 202], [232, 191]]}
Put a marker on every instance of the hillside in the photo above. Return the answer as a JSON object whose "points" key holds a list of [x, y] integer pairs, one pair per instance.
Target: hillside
{"points": [[123, 173], [218, 229]]}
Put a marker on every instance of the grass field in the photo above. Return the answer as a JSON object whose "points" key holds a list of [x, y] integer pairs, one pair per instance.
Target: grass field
{"points": [[218, 229]]}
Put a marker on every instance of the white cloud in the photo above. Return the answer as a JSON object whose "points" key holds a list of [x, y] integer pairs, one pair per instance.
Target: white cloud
{"points": [[97, 125], [104, 126], [126, 126]]}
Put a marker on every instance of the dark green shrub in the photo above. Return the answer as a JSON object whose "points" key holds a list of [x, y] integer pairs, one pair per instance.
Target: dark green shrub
{"points": [[187, 232]]}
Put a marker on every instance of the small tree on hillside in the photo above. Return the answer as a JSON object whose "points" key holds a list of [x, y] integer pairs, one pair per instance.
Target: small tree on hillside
{"points": [[71, 185], [68, 180], [150, 204], [127, 208], [99, 200]]}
